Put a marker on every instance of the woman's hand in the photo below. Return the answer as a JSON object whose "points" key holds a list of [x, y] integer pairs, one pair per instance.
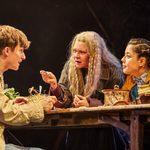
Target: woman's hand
{"points": [[49, 78], [80, 101]]}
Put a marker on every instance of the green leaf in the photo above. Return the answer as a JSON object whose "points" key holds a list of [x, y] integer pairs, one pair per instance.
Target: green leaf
{"points": [[11, 94]]}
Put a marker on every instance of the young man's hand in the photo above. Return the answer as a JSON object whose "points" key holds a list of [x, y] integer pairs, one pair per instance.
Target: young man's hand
{"points": [[48, 103], [21, 100]]}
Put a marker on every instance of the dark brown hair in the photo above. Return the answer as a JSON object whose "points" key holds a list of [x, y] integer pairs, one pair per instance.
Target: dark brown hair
{"points": [[142, 48]]}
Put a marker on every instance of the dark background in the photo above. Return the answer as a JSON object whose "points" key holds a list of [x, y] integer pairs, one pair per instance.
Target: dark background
{"points": [[51, 25]]}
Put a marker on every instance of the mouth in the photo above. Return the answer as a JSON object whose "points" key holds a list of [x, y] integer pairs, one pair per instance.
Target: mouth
{"points": [[20, 61], [123, 66], [77, 62], [125, 69]]}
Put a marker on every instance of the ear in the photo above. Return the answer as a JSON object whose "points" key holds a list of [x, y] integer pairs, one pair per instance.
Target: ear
{"points": [[5, 51], [142, 61]]}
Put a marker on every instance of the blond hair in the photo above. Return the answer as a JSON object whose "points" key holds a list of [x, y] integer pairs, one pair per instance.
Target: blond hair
{"points": [[98, 54], [11, 37]]}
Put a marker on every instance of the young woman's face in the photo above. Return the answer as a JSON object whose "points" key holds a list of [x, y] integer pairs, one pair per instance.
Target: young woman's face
{"points": [[130, 62], [80, 54]]}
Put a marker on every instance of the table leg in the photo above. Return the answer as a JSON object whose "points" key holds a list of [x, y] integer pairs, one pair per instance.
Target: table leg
{"points": [[136, 133]]}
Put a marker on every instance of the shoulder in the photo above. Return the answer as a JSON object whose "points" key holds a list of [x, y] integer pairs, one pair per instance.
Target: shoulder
{"points": [[148, 77], [105, 71], [112, 67], [111, 70], [66, 65], [129, 83]]}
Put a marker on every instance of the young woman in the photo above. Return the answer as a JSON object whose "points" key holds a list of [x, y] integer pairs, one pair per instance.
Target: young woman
{"points": [[136, 65]]}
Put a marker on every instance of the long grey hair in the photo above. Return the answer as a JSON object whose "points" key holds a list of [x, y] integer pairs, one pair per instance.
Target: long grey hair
{"points": [[98, 53]]}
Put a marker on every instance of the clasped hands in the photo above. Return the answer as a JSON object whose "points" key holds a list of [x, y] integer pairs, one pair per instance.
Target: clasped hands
{"points": [[80, 101]]}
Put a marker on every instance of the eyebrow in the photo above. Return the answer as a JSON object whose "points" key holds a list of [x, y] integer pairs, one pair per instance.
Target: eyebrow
{"points": [[80, 50], [127, 53]]}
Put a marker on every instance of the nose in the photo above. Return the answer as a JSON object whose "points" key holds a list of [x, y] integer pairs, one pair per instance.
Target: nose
{"points": [[122, 59], [77, 54], [23, 56]]}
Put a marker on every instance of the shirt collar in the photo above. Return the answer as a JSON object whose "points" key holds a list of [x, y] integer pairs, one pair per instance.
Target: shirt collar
{"points": [[142, 79]]}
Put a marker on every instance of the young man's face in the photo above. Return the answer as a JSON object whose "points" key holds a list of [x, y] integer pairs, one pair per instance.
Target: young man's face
{"points": [[80, 55], [15, 57]]}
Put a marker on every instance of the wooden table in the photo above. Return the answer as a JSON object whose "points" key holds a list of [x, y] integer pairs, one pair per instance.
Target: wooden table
{"points": [[130, 118]]}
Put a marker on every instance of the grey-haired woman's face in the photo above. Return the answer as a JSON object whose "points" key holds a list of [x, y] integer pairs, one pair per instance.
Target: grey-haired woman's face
{"points": [[80, 54]]}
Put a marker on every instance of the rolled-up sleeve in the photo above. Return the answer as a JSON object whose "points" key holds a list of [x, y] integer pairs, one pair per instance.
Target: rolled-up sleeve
{"points": [[15, 114]]}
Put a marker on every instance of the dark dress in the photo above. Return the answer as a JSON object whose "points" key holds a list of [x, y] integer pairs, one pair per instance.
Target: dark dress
{"points": [[96, 138]]}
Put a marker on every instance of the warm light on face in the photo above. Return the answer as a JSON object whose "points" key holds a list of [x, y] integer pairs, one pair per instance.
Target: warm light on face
{"points": [[130, 62], [80, 54], [15, 57]]}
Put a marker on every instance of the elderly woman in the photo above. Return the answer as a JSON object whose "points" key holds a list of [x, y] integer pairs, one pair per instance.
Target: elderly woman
{"points": [[90, 68]]}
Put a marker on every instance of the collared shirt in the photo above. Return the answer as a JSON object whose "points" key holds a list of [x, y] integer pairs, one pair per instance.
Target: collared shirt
{"points": [[141, 80]]}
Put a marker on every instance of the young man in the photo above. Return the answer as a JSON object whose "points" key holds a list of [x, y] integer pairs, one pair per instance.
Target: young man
{"points": [[13, 42]]}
